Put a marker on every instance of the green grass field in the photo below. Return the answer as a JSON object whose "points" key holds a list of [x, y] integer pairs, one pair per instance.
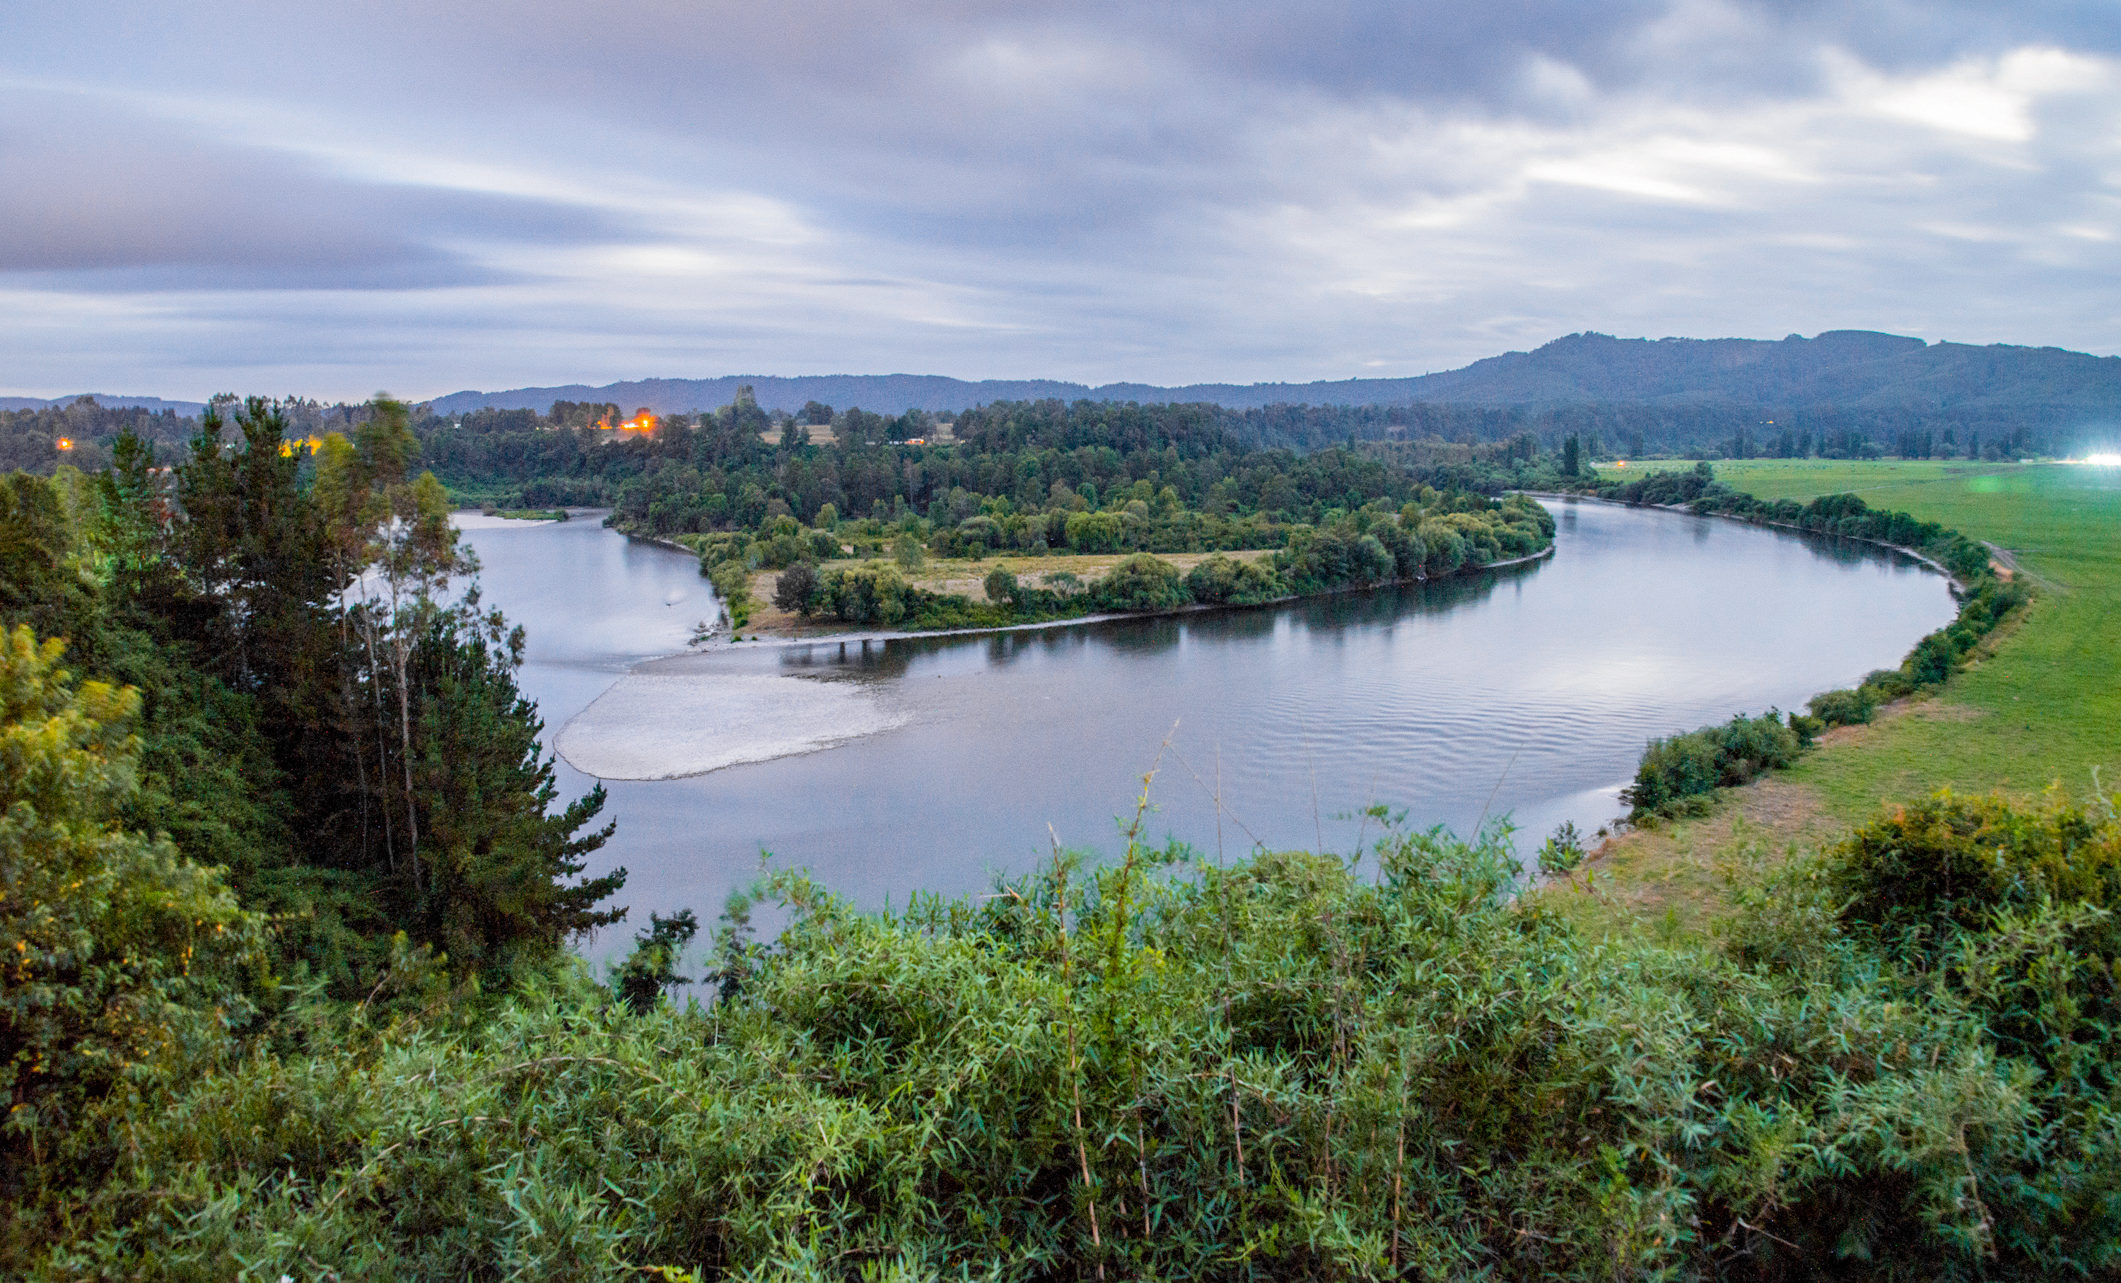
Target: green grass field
{"points": [[2040, 707]]}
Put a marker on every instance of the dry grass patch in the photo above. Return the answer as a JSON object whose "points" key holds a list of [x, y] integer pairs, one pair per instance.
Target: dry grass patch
{"points": [[1679, 873]]}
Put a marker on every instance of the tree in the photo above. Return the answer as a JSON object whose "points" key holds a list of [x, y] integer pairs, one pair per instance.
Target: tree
{"points": [[652, 967], [1571, 456], [382, 519], [793, 587], [498, 860]]}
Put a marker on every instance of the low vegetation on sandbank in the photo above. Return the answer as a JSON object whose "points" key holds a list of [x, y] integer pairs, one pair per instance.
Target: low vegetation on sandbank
{"points": [[1369, 547]]}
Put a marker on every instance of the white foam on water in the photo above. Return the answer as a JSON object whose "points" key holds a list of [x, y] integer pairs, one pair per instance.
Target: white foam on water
{"points": [[654, 727]]}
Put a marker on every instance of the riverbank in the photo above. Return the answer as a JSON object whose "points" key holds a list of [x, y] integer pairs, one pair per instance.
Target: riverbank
{"points": [[1958, 585], [2034, 707]]}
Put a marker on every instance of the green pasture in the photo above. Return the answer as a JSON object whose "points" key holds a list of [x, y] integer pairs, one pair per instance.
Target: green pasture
{"points": [[2039, 707]]}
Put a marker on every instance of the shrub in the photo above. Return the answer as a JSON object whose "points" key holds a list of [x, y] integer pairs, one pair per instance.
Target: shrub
{"points": [[863, 594], [1715, 757], [1141, 582], [1885, 685], [1132, 1069], [1950, 864], [1220, 580], [732, 583], [1842, 707]]}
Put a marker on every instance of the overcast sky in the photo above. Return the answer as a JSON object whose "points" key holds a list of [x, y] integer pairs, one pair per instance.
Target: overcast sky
{"points": [[338, 198]]}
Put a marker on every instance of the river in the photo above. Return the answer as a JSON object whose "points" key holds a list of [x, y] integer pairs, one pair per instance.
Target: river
{"points": [[1524, 693]]}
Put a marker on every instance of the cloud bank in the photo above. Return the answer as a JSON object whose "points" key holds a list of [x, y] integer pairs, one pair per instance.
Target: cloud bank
{"points": [[334, 199]]}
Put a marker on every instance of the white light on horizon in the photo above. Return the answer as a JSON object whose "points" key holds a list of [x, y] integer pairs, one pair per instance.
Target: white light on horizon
{"points": [[2106, 460]]}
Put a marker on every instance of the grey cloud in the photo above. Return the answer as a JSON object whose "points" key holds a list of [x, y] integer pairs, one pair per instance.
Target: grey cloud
{"points": [[104, 201], [1094, 190]]}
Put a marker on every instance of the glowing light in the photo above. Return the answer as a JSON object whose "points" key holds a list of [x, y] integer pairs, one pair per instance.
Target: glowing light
{"points": [[643, 422], [2102, 460], [64, 443], [1620, 463]]}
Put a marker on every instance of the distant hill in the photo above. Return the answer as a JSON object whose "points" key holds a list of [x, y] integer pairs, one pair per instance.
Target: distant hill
{"points": [[190, 409], [1845, 369]]}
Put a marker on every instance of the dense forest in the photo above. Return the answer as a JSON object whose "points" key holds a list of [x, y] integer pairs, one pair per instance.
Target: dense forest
{"points": [[569, 452], [284, 993]]}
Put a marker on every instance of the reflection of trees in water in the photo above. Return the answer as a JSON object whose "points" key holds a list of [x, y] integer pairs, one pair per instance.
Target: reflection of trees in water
{"points": [[1835, 548], [1152, 634], [866, 658]]}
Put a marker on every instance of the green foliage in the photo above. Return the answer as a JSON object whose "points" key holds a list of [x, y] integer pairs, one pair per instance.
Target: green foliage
{"points": [[863, 594], [1095, 531], [1562, 853], [1945, 865], [651, 969], [732, 583], [1140, 582], [501, 858], [347, 748], [1226, 581], [1151, 1069], [120, 961], [1842, 707], [793, 587], [1700, 762]]}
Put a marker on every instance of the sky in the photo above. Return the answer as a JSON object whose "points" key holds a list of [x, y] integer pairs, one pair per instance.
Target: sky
{"points": [[330, 200]]}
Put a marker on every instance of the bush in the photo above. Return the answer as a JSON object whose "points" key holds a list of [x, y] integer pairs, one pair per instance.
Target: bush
{"points": [[864, 594], [1135, 1070], [1141, 582], [1842, 707], [1885, 685], [1220, 580], [732, 583], [1715, 757], [1951, 864]]}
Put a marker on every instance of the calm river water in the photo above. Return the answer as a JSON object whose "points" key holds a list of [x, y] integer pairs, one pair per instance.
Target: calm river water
{"points": [[1526, 693]]}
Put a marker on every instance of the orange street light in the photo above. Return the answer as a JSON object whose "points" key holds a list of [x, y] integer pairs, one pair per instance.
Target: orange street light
{"points": [[64, 443]]}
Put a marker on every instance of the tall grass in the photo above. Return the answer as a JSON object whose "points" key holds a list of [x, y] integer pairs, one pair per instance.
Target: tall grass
{"points": [[1150, 1068]]}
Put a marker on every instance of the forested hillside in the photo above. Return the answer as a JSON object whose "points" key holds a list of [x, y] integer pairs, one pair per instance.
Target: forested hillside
{"points": [[1839, 370]]}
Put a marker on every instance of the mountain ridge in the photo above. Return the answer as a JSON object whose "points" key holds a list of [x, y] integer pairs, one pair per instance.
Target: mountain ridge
{"points": [[1842, 369], [1852, 369]]}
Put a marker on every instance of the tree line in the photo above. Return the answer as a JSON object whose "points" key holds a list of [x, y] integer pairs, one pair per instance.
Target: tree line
{"points": [[287, 711]]}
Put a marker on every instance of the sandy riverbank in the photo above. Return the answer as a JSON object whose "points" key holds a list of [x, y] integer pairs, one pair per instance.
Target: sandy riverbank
{"points": [[661, 725]]}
